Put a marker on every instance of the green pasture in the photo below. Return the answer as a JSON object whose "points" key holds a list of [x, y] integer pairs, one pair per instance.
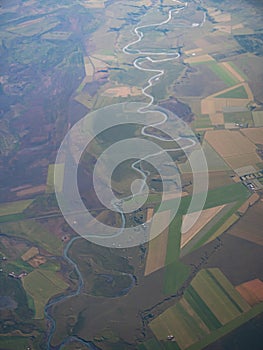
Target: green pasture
{"points": [[35, 233], [17, 207], [41, 285], [239, 117], [222, 73], [239, 92]]}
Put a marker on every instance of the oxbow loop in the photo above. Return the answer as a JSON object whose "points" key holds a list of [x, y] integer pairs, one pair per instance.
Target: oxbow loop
{"points": [[159, 137]]}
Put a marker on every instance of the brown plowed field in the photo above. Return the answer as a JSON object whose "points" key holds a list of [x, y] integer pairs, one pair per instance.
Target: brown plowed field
{"points": [[251, 291]]}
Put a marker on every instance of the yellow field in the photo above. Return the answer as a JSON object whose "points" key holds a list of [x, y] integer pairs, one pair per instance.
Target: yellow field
{"points": [[251, 201], [214, 106], [255, 135], [205, 216], [236, 149], [150, 212], [172, 195], [88, 67], [258, 118], [228, 223], [42, 285], [105, 57], [122, 91], [17, 207], [199, 59], [31, 190], [190, 52], [156, 253], [98, 64], [157, 246], [224, 28], [218, 15], [232, 71], [85, 99], [30, 253], [50, 178], [238, 26]]}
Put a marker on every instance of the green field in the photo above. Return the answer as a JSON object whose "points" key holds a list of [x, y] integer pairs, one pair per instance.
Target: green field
{"points": [[240, 72], [218, 277], [177, 321], [17, 207], [175, 271], [258, 118], [239, 117], [41, 285], [200, 307], [210, 306], [211, 228], [50, 178], [215, 197], [201, 121], [34, 232], [220, 332], [35, 27], [151, 344], [222, 73], [11, 343], [223, 302], [238, 92]]}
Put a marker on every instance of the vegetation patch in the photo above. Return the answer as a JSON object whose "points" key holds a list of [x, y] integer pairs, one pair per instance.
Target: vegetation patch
{"points": [[239, 92], [41, 285], [223, 73], [34, 232], [17, 207]]}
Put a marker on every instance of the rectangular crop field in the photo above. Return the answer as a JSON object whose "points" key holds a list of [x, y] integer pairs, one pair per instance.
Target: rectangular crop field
{"points": [[238, 92], [239, 118], [223, 73], [205, 216], [251, 291], [235, 148], [258, 118], [217, 297], [255, 135], [177, 321], [157, 246], [50, 177], [17, 207]]}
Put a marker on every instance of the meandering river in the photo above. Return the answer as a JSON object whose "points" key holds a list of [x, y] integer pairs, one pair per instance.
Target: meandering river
{"points": [[157, 73]]}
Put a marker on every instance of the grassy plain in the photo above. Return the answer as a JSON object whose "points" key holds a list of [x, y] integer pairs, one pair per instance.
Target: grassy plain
{"points": [[199, 313], [10, 208], [34, 232], [238, 92], [258, 118], [223, 73], [239, 117], [14, 342], [41, 285]]}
